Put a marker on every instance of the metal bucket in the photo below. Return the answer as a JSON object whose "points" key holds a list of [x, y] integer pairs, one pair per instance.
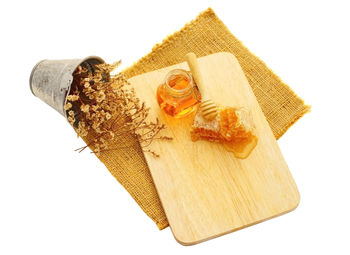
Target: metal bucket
{"points": [[51, 80]]}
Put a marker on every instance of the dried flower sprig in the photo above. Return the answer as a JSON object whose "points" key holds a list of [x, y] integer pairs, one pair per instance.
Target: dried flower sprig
{"points": [[105, 105]]}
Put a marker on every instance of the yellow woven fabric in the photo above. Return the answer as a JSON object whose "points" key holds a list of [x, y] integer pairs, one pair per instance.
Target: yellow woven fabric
{"points": [[205, 35]]}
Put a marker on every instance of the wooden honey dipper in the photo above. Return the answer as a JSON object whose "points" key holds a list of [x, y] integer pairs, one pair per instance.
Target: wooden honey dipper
{"points": [[208, 108]]}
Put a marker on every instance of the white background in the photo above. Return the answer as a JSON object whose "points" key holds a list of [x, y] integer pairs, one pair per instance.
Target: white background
{"points": [[55, 201]]}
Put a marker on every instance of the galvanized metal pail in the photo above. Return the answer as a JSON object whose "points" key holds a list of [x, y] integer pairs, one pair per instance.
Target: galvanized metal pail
{"points": [[51, 80]]}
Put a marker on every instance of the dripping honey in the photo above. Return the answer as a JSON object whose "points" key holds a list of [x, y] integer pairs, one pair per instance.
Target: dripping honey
{"points": [[178, 96]]}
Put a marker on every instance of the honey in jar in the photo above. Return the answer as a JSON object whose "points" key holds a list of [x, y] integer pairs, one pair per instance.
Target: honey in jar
{"points": [[178, 96]]}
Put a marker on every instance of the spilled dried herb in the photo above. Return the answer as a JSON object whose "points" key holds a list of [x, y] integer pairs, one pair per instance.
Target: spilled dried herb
{"points": [[105, 105]]}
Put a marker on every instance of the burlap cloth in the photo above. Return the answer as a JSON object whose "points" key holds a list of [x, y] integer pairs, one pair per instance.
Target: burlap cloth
{"points": [[205, 35]]}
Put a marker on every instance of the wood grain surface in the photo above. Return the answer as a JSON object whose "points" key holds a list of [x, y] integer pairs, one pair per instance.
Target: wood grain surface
{"points": [[205, 191]]}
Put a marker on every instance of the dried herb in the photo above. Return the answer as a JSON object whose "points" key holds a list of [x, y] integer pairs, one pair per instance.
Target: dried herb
{"points": [[106, 106]]}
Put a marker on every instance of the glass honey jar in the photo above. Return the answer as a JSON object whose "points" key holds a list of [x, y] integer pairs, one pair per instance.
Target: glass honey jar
{"points": [[177, 96]]}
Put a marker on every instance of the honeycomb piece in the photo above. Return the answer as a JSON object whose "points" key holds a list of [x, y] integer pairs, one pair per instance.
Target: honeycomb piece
{"points": [[203, 129], [231, 127], [234, 124], [237, 129]]}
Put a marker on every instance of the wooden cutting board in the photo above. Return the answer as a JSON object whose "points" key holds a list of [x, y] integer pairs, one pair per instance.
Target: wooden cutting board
{"points": [[205, 191]]}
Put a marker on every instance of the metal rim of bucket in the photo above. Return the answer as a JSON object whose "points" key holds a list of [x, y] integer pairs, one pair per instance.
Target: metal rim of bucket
{"points": [[83, 60]]}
